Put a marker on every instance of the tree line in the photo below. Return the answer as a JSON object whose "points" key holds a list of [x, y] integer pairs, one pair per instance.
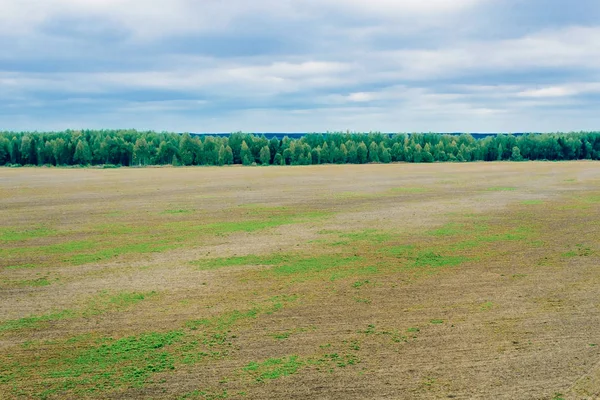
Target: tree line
{"points": [[136, 148]]}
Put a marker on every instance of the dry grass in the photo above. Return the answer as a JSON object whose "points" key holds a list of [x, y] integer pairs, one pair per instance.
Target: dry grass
{"points": [[377, 281]]}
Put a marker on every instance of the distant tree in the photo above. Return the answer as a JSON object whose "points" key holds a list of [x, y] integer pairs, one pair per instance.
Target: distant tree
{"points": [[15, 154], [417, 153], [287, 157], [83, 154], [278, 160], [4, 151], [325, 153], [246, 154], [516, 154], [385, 155], [265, 155], [228, 158], [221, 155], [362, 153], [373, 152], [316, 155], [141, 152], [426, 154], [61, 152], [186, 150]]}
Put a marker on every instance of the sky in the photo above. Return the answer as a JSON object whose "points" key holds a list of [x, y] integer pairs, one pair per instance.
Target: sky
{"points": [[300, 65]]}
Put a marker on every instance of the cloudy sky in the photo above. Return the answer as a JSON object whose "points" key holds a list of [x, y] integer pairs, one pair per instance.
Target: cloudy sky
{"points": [[300, 65]]}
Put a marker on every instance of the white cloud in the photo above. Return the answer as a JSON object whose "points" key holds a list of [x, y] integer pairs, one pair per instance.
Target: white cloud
{"points": [[149, 19], [571, 89], [575, 47]]}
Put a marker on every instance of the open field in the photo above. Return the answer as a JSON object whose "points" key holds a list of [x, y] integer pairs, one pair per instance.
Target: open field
{"points": [[403, 281]]}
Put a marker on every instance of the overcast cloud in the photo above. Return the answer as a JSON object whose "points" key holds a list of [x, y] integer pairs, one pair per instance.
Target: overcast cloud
{"points": [[300, 65]]}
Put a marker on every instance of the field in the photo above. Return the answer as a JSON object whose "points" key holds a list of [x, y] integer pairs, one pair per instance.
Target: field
{"points": [[403, 281]]}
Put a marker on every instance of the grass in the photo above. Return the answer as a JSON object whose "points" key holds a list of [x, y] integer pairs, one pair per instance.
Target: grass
{"points": [[16, 235], [38, 282], [579, 251], [450, 229], [112, 241], [532, 202], [34, 321], [224, 321], [96, 365], [114, 363], [100, 304], [368, 235], [178, 211], [273, 368]]}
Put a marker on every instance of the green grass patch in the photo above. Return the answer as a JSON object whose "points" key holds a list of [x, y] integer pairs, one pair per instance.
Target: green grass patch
{"points": [[501, 189], [488, 305], [274, 368], [15, 235], [401, 251], [34, 321], [359, 284], [451, 229], [368, 235], [39, 282], [437, 321], [114, 252], [125, 362], [224, 321], [516, 234], [579, 251], [532, 202], [177, 211], [108, 302]]}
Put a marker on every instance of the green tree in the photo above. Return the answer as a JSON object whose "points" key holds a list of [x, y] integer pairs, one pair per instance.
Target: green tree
{"points": [[325, 153], [373, 152], [15, 154], [141, 152], [186, 150], [246, 154], [61, 152], [362, 153], [4, 151], [516, 154], [83, 154], [385, 155], [228, 158], [278, 160], [265, 155]]}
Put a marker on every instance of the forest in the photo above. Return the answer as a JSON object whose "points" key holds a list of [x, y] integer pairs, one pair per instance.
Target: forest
{"points": [[136, 148]]}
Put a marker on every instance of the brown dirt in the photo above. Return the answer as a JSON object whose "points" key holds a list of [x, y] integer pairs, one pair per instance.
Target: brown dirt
{"points": [[520, 319]]}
